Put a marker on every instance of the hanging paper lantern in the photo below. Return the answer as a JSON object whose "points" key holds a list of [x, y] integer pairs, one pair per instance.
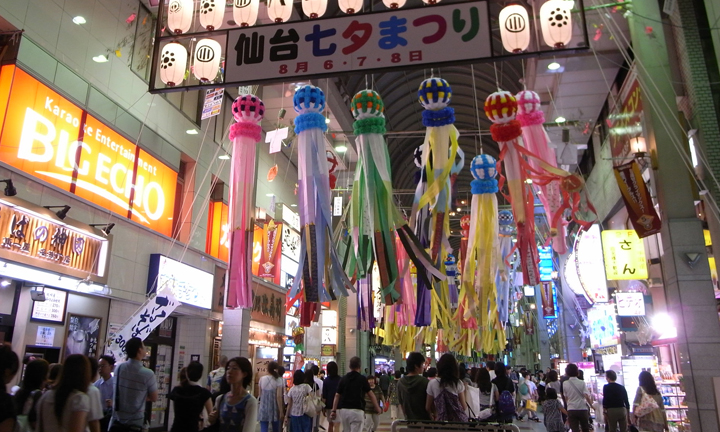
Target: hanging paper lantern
{"points": [[394, 4], [211, 14], [556, 22], [280, 10], [514, 28], [314, 8], [206, 63], [245, 12], [506, 222], [350, 6], [173, 62], [180, 15]]}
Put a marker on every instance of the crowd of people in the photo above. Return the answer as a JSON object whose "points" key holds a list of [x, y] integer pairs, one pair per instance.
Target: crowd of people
{"points": [[85, 394]]}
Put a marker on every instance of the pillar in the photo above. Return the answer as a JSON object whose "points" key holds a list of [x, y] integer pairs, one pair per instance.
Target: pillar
{"points": [[236, 333], [688, 290], [542, 336]]}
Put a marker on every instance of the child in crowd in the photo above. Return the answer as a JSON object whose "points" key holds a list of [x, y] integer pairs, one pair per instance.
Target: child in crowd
{"points": [[553, 410]]}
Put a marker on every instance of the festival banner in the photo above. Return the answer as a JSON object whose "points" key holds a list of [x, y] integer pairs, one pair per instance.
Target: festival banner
{"points": [[637, 199], [153, 312], [359, 42], [547, 292]]}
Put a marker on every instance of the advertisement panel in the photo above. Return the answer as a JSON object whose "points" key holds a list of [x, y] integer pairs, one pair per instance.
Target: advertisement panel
{"points": [[49, 137], [638, 201], [588, 259], [603, 326], [217, 242], [624, 255], [626, 119], [630, 303]]}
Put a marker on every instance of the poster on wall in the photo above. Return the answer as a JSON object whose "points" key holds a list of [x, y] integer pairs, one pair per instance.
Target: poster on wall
{"points": [[45, 336], [83, 334], [52, 309], [630, 303]]}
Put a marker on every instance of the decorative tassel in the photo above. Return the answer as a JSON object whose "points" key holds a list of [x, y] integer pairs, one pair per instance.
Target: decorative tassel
{"points": [[248, 111], [536, 141], [320, 270], [501, 107]]}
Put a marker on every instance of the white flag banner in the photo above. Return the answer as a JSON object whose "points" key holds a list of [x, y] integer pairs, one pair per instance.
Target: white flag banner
{"points": [[144, 321]]}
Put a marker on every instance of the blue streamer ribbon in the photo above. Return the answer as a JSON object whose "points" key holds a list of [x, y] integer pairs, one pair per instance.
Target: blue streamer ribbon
{"points": [[438, 118], [487, 186]]}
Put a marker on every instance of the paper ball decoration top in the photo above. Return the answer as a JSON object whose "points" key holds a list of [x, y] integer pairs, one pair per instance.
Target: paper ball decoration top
{"points": [[309, 99], [417, 157], [248, 108], [505, 218], [366, 104], [450, 260], [465, 222], [434, 94], [528, 102], [483, 167], [501, 107]]}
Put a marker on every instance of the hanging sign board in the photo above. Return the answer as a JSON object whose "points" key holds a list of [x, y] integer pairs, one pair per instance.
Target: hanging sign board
{"points": [[603, 326], [52, 309], [153, 312], [360, 42], [624, 255], [626, 119], [27, 237], [638, 201], [213, 103], [588, 260], [630, 303], [549, 300], [546, 263]]}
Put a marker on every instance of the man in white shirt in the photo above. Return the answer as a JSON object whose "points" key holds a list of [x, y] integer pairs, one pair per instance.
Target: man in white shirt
{"points": [[577, 398]]}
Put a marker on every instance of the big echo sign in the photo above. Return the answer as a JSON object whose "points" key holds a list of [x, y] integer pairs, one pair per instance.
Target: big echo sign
{"points": [[49, 137]]}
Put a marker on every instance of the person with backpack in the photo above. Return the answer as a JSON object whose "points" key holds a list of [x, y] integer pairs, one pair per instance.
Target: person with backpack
{"points": [[528, 394], [446, 394], [506, 401], [350, 399], [295, 414]]}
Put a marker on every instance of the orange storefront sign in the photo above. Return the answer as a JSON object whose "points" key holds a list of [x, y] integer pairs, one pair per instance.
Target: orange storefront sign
{"points": [[218, 238], [49, 137]]}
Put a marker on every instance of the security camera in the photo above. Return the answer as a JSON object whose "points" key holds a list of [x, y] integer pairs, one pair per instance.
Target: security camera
{"points": [[38, 294]]}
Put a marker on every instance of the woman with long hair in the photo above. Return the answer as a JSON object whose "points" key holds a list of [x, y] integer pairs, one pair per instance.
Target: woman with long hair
{"points": [[446, 394], [190, 399], [330, 385], [53, 375], [295, 415], [236, 410], [655, 420], [65, 408], [33, 382], [504, 412], [271, 398], [488, 391], [9, 365]]}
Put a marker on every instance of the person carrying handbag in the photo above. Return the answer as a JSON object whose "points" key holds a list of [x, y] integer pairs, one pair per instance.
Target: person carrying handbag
{"points": [[648, 409]]}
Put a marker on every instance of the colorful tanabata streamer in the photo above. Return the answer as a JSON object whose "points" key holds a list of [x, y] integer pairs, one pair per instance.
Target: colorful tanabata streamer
{"points": [[374, 218], [536, 140], [506, 274], [481, 264], [500, 108], [320, 271], [248, 111], [438, 154]]}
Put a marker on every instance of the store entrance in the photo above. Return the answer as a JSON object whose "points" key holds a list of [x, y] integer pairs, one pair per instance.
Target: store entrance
{"points": [[160, 346]]}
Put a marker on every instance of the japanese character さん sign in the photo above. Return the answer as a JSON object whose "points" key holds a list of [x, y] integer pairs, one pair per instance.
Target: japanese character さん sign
{"points": [[154, 311], [399, 38], [624, 255], [638, 201]]}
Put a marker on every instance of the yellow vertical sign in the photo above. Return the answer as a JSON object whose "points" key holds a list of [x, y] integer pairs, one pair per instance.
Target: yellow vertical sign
{"points": [[624, 255]]}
